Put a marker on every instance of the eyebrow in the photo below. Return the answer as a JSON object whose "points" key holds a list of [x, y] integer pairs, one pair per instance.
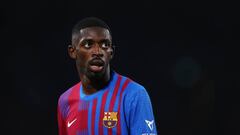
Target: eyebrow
{"points": [[105, 40], [90, 39]]}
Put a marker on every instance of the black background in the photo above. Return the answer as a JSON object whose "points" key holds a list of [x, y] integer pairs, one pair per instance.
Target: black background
{"points": [[184, 53]]}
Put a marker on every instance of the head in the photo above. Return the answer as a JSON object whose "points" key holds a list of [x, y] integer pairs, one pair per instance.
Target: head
{"points": [[91, 48]]}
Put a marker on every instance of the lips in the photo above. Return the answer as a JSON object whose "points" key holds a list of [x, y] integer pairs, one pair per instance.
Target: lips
{"points": [[96, 65]]}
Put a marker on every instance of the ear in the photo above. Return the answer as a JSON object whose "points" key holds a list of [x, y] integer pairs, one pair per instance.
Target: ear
{"points": [[112, 51], [72, 51]]}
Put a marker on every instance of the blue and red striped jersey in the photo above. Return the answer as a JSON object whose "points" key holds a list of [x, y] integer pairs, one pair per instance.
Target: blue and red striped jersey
{"points": [[123, 107]]}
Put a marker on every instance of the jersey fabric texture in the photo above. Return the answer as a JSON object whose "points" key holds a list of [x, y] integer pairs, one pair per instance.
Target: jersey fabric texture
{"points": [[123, 107]]}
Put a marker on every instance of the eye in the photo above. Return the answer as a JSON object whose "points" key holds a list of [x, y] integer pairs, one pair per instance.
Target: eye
{"points": [[105, 44], [87, 44]]}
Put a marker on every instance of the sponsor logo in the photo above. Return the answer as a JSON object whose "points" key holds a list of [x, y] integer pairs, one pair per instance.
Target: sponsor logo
{"points": [[70, 123], [150, 124]]}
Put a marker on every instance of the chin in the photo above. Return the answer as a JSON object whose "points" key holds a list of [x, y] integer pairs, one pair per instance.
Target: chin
{"points": [[96, 75]]}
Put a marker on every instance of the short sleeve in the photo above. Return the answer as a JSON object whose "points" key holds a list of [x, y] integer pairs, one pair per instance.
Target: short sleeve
{"points": [[141, 118]]}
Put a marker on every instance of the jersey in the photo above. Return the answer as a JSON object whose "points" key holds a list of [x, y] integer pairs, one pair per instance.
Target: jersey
{"points": [[123, 107]]}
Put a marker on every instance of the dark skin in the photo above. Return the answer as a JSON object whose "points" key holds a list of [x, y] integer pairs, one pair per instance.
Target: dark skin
{"points": [[92, 51]]}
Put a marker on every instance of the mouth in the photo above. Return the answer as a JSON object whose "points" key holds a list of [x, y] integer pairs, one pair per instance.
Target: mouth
{"points": [[96, 65]]}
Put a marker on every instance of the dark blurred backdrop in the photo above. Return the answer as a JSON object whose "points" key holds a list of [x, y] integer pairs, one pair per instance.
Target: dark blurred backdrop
{"points": [[184, 53]]}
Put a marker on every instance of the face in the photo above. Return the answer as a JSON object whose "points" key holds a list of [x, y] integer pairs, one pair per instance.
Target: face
{"points": [[92, 52]]}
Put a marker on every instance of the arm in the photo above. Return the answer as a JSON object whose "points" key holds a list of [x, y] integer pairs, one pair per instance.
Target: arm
{"points": [[141, 118], [61, 121]]}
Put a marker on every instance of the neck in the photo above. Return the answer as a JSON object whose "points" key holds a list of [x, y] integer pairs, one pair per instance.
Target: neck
{"points": [[94, 84]]}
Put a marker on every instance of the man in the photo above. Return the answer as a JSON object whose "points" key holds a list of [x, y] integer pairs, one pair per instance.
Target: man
{"points": [[103, 102]]}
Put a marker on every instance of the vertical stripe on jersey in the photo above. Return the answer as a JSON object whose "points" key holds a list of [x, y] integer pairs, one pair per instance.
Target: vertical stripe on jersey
{"points": [[93, 115], [83, 117], [90, 112], [113, 99], [100, 123], [115, 108], [119, 106], [110, 94], [97, 114]]}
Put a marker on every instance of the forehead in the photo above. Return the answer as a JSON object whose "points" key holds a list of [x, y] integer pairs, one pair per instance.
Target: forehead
{"points": [[95, 33]]}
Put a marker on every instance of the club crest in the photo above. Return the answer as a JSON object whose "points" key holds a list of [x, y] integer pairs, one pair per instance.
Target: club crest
{"points": [[110, 119]]}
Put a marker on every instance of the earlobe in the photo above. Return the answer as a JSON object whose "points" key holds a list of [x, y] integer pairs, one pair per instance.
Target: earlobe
{"points": [[72, 51]]}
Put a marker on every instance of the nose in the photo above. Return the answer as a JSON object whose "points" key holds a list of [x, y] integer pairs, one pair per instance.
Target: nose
{"points": [[97, 51]]}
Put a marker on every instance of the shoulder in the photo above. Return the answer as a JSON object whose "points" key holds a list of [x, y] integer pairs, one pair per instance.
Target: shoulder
{"points": [[133, 88], [135, 94], [64, 97]]}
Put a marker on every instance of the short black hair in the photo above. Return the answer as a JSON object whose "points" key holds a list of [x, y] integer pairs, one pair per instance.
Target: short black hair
{"points": [[87, 22]]}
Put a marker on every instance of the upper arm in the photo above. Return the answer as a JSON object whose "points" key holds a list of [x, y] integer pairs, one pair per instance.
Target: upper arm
{"points": [[140, 112]]}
